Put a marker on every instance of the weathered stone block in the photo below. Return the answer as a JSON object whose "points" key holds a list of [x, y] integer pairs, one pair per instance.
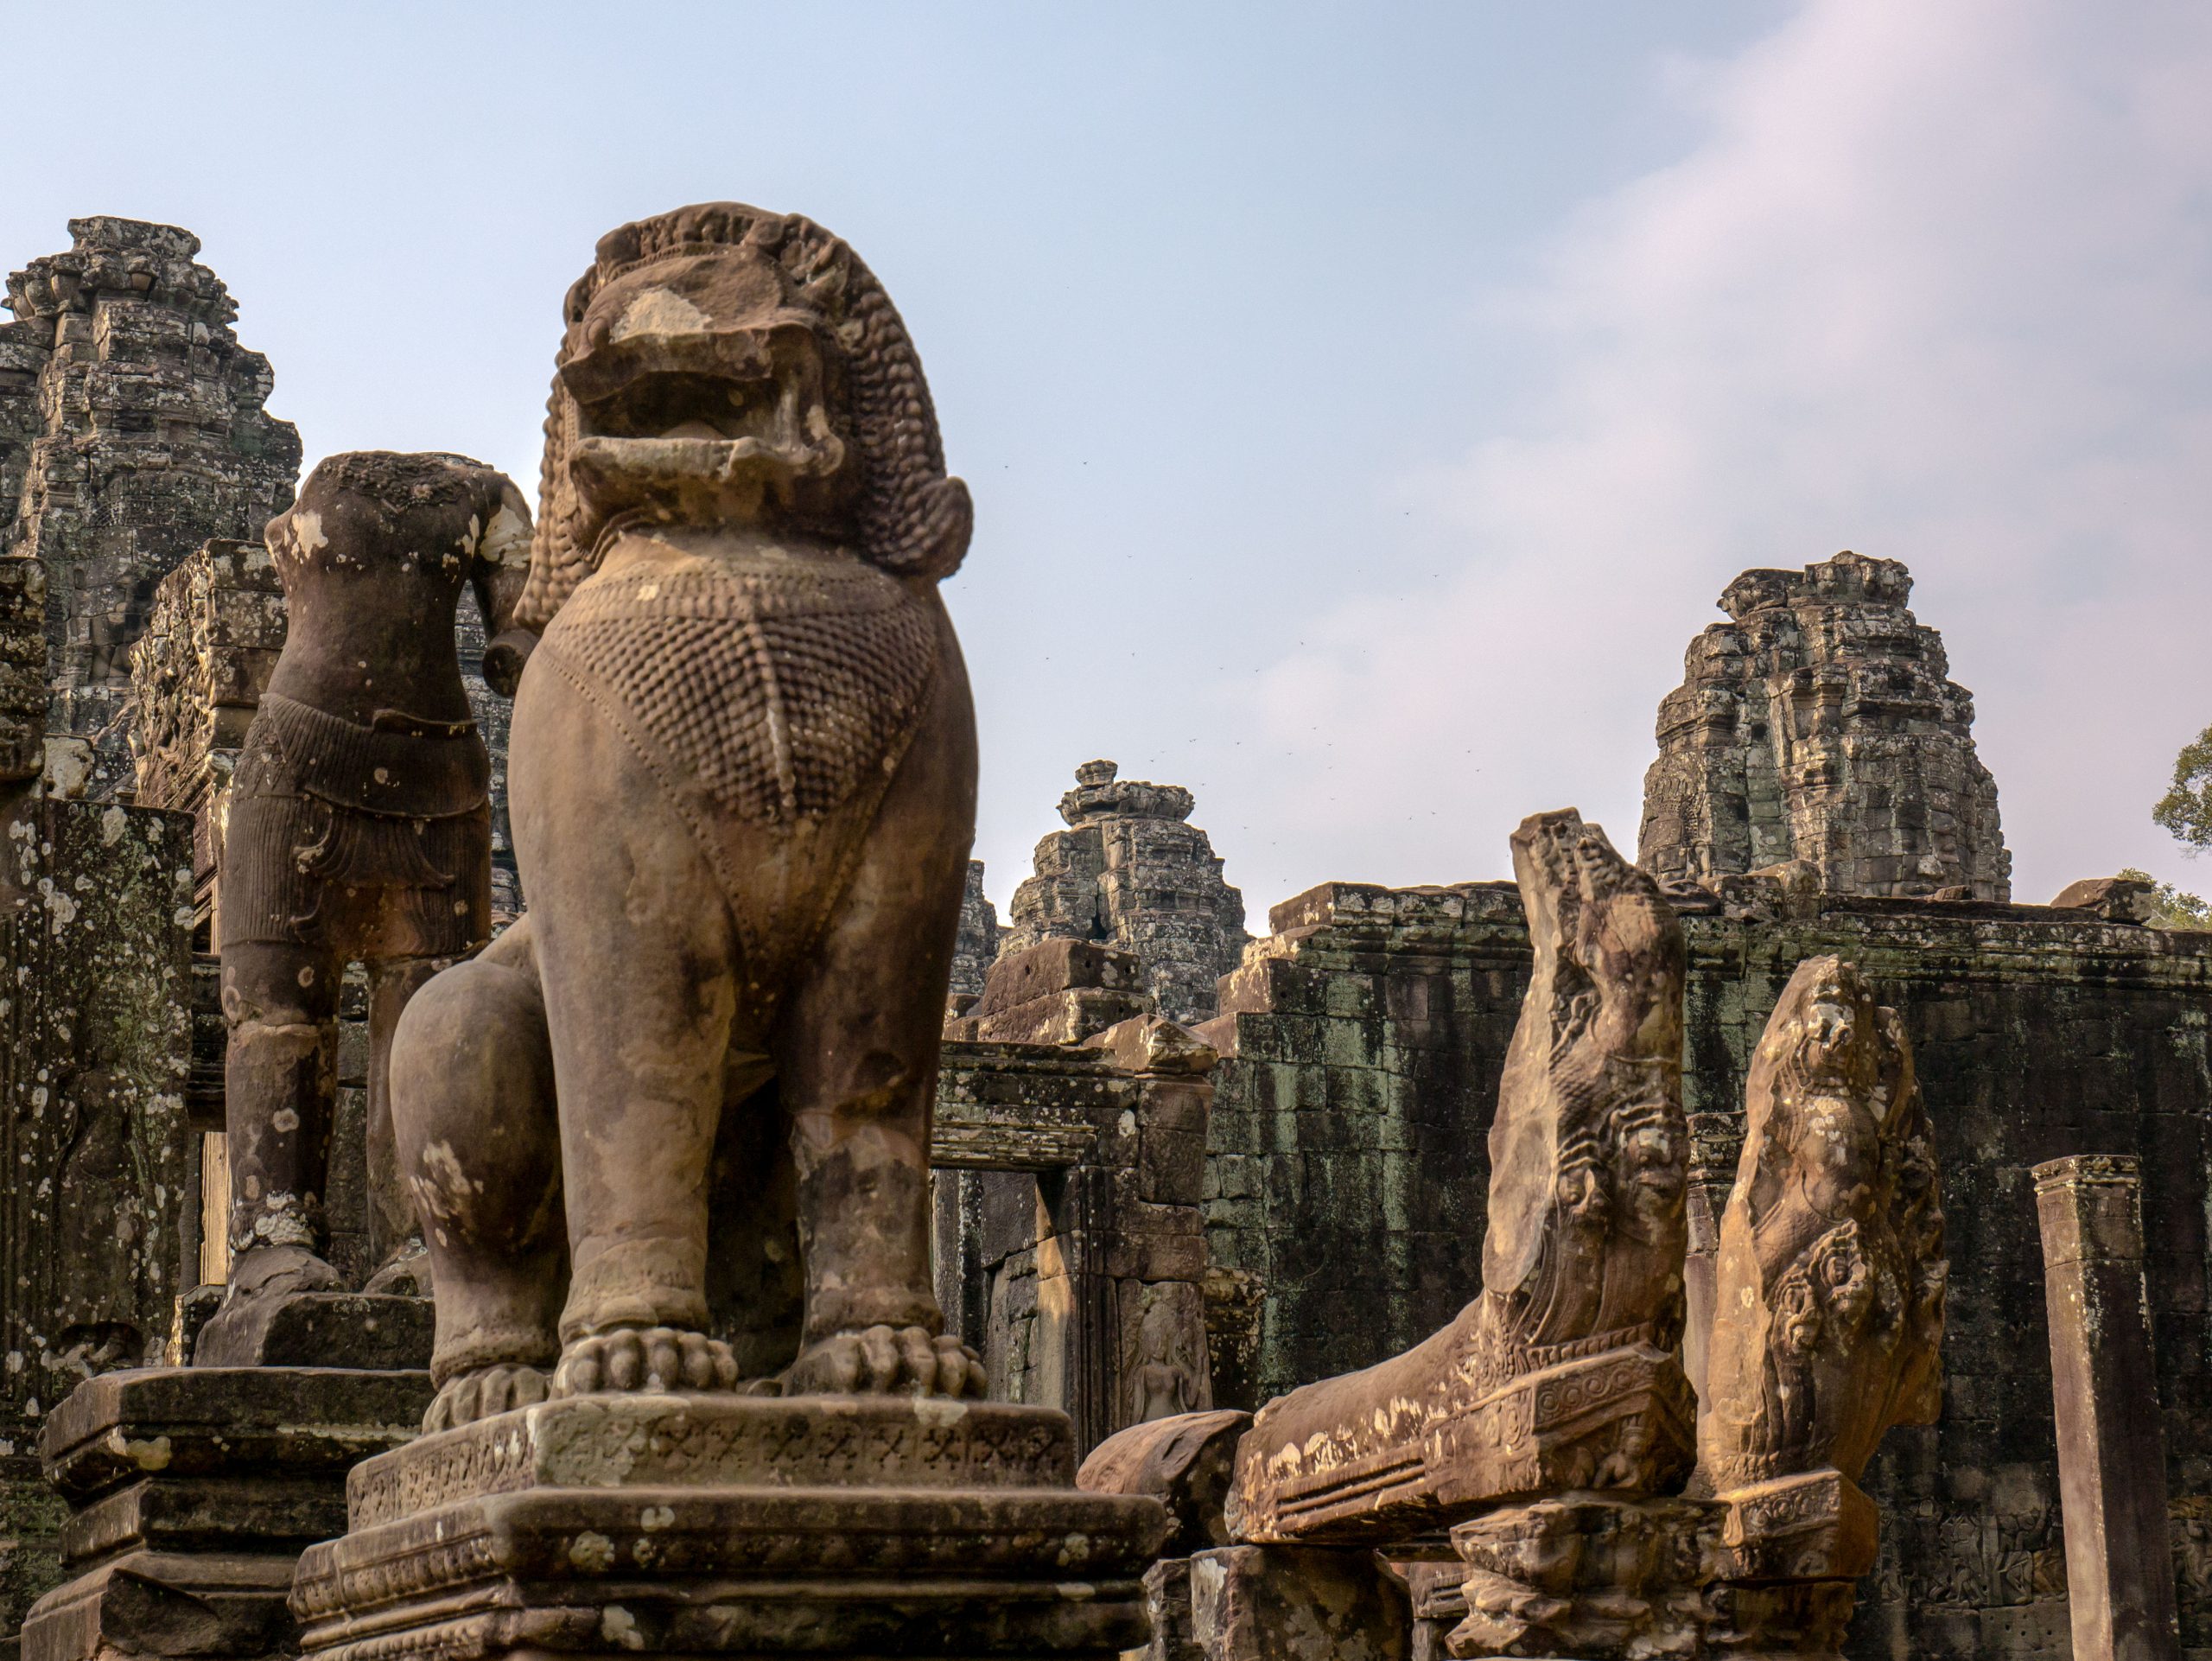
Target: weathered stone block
{"points": [[1294, 1603], [1056, 965], [1185, 1462], [196, 1489]]}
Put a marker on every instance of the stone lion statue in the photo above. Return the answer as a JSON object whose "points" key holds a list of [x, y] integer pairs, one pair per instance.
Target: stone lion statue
{"points": [[742, 787]]}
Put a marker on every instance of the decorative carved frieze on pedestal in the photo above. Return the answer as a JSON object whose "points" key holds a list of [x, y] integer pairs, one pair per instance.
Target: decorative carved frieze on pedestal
{"points": [[726, 1524]]}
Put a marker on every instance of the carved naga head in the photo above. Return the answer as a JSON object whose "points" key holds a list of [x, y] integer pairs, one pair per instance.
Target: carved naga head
{"points": [[722, 364], [1833, 1037]]}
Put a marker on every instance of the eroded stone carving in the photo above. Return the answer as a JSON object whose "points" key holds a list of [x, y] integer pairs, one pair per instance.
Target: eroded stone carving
{"points": [[743, 790], [1828, 1305], [743, 786], [1561, 1374], [357, 830], [1826, 1331]]}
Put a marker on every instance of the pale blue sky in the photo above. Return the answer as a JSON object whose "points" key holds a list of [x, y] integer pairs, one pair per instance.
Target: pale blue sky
{"points": [[1363, 404]]}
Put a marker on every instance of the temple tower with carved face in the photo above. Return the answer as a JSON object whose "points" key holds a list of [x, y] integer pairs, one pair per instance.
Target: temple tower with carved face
{"points": [[1820, 724]]}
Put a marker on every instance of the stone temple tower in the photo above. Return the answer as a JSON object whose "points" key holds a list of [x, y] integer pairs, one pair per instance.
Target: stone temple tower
{"points": [[1130, 873], [132, 430], [1819, 723]]}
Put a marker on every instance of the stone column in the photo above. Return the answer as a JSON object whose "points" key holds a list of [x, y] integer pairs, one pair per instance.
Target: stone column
{"points": [[2112, 1459]]}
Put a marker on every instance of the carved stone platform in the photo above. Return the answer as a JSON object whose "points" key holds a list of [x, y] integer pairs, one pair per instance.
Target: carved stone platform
{"points": [[727, 1525], [1431, 1449], [195, 1491]]}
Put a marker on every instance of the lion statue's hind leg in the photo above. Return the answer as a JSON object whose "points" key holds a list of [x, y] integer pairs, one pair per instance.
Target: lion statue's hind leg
{"points": [[478, 1150]]}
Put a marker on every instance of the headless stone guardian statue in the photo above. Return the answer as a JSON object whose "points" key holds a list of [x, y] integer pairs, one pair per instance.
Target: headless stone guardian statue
{"points": [[359, 831], [743, 774]]}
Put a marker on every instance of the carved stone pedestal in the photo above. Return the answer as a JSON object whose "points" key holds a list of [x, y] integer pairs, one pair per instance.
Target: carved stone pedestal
{"points": [[1768, 1571], [706, 1525], [195, 1491], [1583, 1575], [1785, 1563]]}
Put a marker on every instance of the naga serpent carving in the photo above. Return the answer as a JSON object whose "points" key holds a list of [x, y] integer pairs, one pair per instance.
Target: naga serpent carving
{"points": [[1828, 1312], [1561, 1373], [743, 777]]}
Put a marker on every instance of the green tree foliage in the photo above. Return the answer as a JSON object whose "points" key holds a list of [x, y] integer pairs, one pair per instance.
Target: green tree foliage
{"points": [[2175, 909], [2186, 810]]}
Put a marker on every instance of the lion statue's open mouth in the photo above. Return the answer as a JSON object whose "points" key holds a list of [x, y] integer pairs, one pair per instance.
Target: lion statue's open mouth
{"points": [[702, 398]]}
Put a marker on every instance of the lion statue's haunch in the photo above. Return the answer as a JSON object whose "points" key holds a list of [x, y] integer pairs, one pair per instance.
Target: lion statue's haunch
{"points": [[742, 774]]}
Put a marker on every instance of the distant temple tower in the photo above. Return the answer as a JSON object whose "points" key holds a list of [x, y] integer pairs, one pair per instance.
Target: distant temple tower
{"points": [[132, 431], [1819, 723], [1130, 873], [977, 945]]}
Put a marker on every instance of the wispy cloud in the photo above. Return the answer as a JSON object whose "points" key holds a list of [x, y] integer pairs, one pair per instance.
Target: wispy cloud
{"points": [[1935, 283]]}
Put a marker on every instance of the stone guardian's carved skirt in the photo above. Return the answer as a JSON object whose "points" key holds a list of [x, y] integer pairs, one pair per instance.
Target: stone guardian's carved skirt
{"points": [[374, 841]]}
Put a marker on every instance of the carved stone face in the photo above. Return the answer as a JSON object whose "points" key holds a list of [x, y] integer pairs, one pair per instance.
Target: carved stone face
{"points": [[1830, 1034], [705, 394]]}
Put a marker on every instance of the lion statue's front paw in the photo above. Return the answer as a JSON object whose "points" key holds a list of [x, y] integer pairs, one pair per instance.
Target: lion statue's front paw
{"points": [[481, 1393], [660, 1359], [885, 1361]]}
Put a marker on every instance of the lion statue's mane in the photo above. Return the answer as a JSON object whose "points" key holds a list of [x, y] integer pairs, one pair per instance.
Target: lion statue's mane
{"points": [[910, 518]]}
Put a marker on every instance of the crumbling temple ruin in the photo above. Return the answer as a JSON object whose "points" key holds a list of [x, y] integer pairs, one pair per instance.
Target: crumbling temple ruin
{"points": [[1132, 872], [132, 430], [1513, 1147], [1550, 1426], [978, 946], [1819, 723]]}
